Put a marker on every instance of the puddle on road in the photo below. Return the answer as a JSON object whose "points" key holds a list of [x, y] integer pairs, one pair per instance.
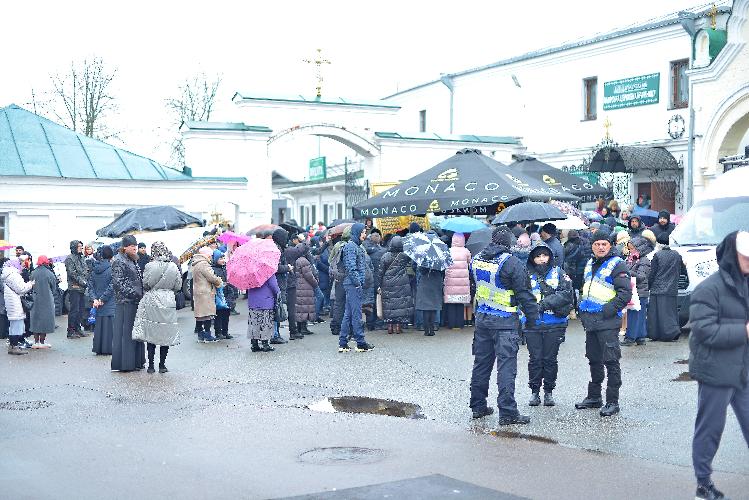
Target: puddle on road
{"points": [[683, 377], [342, 455], [373, 406], [24, 405], [520, 435]]}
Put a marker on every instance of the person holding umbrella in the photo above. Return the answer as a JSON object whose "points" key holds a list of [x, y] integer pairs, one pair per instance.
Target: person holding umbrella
{"points": [[502, 288]]}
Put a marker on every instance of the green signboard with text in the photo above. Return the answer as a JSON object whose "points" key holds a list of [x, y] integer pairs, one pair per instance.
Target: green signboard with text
{"points": [[629, 92], [317, 169]]}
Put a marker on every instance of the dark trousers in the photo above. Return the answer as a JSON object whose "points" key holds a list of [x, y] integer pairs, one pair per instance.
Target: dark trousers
{"points": [[338, 306], [428, 318], [454, 315], [663, 318], [543, 348], [602, 349], [712, 405], [351, 323], [488, 345], [221, 321], [4, 326], [76, 312], [163, 351], [291, 308]]}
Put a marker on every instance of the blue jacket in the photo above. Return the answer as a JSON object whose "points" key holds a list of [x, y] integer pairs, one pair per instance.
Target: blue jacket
{"points": [[100, 287], [323, 266], [353, 257]]}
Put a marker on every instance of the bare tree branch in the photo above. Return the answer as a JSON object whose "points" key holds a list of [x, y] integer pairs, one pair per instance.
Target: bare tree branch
{"points": [[195, 101], [81, 98]]}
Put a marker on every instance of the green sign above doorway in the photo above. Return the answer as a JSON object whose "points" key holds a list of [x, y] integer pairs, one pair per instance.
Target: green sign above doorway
{"points": [[317, 169]]}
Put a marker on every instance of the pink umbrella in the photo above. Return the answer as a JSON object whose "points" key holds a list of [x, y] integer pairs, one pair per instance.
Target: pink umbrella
{"points": [[230, 237], [253, 263]]}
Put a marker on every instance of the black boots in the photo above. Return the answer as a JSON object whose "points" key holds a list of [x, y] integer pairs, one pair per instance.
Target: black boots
{"points": [[255, 345], [610, 409], [548, 399], [535, 399], [589, 403], [266, 347], [483, 412], [517, 419]]}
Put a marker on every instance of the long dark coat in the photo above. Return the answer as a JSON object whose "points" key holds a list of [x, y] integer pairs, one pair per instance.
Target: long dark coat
{"points": [[305, 290], [100, 287], [397, 301], [42, 315], [429, 290]]}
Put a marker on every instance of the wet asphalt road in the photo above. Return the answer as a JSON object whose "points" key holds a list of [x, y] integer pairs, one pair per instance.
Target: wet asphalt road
{"points": [[228, 423]]}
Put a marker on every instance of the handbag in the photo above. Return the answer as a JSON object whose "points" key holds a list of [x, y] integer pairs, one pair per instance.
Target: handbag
{"points": [[379, 306], [91, 316], [27, 302], [281, 313], [179, 300], [634, 302], [220, 299]]}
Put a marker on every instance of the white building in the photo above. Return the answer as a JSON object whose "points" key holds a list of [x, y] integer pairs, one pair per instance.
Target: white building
{"points": [[57, 185], [631, 83]]}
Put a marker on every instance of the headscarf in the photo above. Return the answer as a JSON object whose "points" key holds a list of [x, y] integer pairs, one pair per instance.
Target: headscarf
{"points": [[159, 251], [206, 252], [13, 262]]}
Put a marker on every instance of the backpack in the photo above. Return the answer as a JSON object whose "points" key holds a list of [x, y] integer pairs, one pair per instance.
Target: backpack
{"points": [[337, 271]]}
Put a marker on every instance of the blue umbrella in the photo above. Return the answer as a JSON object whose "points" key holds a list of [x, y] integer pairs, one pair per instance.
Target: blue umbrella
{"points": [[462, 224]]}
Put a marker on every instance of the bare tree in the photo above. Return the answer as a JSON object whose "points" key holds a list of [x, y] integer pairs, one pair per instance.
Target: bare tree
{"points": [[81, 97], [195, 101]]}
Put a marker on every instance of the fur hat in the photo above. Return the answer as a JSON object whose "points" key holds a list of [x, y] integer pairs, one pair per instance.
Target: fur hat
{"points": [[128, 240], [600, 235], [649, 235], [502, 236]]}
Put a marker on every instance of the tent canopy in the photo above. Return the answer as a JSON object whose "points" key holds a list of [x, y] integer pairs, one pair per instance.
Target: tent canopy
{"points": [[630, 159], [560, 179], [160, 218], [466, 183]]}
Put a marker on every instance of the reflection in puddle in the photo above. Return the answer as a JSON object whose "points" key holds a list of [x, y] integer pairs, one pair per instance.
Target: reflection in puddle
{"points": [[373, 406]]}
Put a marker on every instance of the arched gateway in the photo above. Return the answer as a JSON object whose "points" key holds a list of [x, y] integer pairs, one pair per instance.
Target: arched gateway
{"points": [[284, 183]]}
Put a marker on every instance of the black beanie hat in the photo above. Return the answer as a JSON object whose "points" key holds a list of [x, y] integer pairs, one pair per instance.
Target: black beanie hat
{"points": [[141, 245], [502, 237], [549, 228], [600, 235]]}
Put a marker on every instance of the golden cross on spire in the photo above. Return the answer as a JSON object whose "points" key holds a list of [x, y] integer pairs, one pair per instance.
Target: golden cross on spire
{"points": [[607, 126], [318, 62], [713, 13]]}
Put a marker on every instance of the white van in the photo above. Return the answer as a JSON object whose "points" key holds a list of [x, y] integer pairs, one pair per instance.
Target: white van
{"points": [[724, 208]]}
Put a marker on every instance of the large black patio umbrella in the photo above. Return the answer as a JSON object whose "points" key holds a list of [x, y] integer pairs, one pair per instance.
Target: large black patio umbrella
{"points": [[159, 218], [466, 183], [560, 179]]}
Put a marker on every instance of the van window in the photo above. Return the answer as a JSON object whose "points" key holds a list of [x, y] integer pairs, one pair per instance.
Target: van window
{"points": [[709, 221]]}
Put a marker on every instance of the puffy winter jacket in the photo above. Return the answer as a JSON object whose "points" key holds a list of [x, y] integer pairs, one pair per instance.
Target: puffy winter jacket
{"points": [[665, 269], [323, 267], [353, 258], [640, 267], [100, 287], [305, 288], [719, 313], [375, 252], [127, 281], [397, 301], [457, 276], [608, 318], [76, 268], [13, 288]]}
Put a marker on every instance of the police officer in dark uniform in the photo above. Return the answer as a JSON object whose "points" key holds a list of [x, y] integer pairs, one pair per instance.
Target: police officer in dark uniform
{"points": [[501, 284], [606, 292]]}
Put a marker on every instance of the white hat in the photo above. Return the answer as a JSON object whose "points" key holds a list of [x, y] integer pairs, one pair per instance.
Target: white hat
{"points": [[742, 243]]}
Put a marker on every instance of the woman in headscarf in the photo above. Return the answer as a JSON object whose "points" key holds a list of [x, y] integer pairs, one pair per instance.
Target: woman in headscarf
{"points": [[101, 292], [13, 288], [204, 286], [156, 320], [42, 315]]}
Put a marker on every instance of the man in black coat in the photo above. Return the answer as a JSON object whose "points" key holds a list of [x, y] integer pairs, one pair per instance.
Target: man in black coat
{"points": [[77, 272], [719, 354], [549, 236], [606, 291], [375, 251], [663, 281], [664, 224]]}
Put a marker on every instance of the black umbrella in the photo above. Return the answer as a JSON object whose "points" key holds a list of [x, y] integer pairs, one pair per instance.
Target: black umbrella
{"points": [[466, 183], [560, 179], [479, 240], [292, 227], [335, 222], [159, 218], [529, 211]]}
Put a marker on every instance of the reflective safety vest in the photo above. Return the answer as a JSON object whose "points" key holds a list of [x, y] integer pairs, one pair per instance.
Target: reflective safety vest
{"points": [[599, 290], [552, 279], [491, 295]]}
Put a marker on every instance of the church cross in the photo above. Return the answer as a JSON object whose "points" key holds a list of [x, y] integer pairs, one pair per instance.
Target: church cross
{"points": [[607, 126], [713, 13], [318, 62]]}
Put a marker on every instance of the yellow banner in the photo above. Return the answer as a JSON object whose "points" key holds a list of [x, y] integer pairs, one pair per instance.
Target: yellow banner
{"points": [[390, 225]]}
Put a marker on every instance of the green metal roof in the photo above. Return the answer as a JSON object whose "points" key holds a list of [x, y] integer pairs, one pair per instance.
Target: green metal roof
{"points": [[334, 101], [238, 126], [34, 146], [448, 138]]}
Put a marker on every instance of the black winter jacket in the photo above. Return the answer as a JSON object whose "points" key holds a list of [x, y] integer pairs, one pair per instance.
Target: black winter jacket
{"points": [[280, 238], [397, 302], [561, 298], [76, 268], [127, 282], [664, 272], [608, 319], [640, 267], [719, 313], [556, 249], [376, 253]]}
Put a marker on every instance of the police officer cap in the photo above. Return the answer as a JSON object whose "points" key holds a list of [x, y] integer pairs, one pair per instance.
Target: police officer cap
{"points": [[600, 235]]}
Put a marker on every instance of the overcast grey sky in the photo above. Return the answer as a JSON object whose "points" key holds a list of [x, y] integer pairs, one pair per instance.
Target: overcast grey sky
{"points": [[376, 47]]}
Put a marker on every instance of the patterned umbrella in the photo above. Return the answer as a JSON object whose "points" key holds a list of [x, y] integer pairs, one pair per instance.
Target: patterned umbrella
{"points": [[335, 231], [253, 263], [428, 251], [568, 209], [202, 242]]}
